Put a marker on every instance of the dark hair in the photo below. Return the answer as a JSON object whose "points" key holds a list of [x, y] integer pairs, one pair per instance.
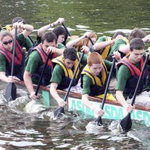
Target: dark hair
{"points": [[137, 44], [70, 53], [136, 33], [18, 19], [49, 37], [61, 31], [119, 33], [0, 27]]}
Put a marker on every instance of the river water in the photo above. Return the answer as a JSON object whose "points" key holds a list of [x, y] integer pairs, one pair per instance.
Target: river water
{"points": [[27, 131]]}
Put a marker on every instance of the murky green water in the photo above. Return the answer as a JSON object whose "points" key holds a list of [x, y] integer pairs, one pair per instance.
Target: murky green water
{"points": [[22, 131]]}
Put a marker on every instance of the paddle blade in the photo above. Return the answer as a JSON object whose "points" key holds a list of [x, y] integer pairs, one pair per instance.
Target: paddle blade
{"points": [[59, 111], [99, 121], [126, 123], [10, 92]]}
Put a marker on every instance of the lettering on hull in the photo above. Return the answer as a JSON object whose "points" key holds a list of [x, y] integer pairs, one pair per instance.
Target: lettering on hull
{"points": [[111, 111]]}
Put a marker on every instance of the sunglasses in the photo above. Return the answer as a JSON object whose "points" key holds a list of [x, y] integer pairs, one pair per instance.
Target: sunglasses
{"points": [[6, 43]]}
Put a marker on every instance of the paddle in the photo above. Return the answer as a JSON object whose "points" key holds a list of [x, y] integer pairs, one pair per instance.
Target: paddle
{"points": [[66, 29], [41, 76], [60, 110], [10, 91], [91, 41], [126, 122], [99, 120]]}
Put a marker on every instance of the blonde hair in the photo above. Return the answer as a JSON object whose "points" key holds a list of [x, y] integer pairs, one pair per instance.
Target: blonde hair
{"points": [[94, 58], [85, 41]]}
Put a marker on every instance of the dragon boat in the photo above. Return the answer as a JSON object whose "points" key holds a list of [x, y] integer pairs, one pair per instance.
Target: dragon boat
{"points": [[113, 109]]}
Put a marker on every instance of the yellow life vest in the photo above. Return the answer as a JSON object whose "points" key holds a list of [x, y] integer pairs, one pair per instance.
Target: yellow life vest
{"points": [[68, 72], [8, 27], [127, 43], [96, 80], [126, 40], [106, 50]]}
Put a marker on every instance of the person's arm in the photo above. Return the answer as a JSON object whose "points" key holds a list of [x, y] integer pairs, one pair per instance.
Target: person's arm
{"points": [[123, 102], [3, 77], [51, 49], [123, 76], [102, 45], [32, 65], [54, 93], [71, 43], [27, 28], [124, 48], [85, 94], [46, 27], [28, 82], [87, 103], [146, 38]]}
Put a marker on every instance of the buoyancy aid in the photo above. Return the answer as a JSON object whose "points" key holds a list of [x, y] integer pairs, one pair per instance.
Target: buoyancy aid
{"points": [[49, 68], [18, 62], [105, 52], [98, 82], [135, 73], [68, 73]]}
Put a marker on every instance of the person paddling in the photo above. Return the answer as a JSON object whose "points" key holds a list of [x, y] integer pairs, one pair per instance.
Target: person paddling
{"points": [[128, 75], [104, 44], [36, 60], [63, 72], [6, 47], [86, 40], [93, 80], [43, 29], [27, 42]]}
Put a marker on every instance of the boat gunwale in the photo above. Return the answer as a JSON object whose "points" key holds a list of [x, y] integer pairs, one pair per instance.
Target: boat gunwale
{"points": [[95, 99]]}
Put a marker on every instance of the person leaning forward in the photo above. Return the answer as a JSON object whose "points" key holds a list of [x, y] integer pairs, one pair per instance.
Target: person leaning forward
{"points": [[63, 72], [128, 74], [93, 80], [6, 47], [36, 60]]}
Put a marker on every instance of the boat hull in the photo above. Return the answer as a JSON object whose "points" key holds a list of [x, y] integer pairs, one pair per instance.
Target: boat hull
{"points": [[113, 110]]}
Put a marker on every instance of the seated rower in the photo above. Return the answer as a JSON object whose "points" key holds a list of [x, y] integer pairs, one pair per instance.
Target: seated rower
{"points": [[136, 33], [93, 80], [61, 37], [128, 75], [63, 72], [6, 47], [83, 41], [118, 43], [27, 42], [58, 32], [36, 60], [104, 44]]}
